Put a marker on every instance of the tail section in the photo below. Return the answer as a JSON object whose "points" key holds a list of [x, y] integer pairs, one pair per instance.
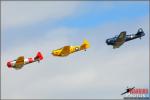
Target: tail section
{"points": [[38, 57], [140, 33], [84, 45]]}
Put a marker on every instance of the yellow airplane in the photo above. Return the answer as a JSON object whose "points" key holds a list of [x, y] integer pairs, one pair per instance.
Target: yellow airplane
{"points": [[66, 50]]}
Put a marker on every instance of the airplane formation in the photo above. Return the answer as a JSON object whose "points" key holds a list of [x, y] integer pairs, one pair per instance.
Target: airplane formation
{"points": [[116, 42]]}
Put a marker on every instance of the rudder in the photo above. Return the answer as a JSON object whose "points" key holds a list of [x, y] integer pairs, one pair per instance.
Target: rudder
{"points": [[84, 45], [39, 56]]}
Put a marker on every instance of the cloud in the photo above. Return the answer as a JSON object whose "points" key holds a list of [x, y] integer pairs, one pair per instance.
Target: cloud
{"points": [[17, 14]]}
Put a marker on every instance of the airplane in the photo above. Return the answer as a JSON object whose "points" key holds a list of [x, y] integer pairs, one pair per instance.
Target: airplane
{"points": [[128, 90], [21, 61], [118, 40], [66, 50]]}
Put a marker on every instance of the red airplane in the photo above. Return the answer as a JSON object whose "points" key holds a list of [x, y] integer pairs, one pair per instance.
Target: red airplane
{"points": [[20, 61]]}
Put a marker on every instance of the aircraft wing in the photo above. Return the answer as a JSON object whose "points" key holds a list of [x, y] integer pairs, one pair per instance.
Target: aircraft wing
{"points": [[19, 62], [120, 40], [65, 51]]}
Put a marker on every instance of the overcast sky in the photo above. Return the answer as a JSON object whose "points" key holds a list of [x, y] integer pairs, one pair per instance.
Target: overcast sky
{"points": [[99, 73]]}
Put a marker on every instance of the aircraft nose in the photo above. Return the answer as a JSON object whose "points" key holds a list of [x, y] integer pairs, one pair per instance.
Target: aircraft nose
{"points": [[9, 64], [107, 41], [53, 53]]}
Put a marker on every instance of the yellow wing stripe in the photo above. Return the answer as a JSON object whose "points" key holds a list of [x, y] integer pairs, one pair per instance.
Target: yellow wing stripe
{"points": [[20, 61], [65, 51]]}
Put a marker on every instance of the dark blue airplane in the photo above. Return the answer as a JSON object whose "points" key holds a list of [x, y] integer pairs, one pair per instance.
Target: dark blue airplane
{"points": [[118, 40]]}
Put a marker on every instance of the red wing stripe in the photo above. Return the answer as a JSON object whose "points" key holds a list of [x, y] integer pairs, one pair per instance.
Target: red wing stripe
{"points": [[30, 60]]}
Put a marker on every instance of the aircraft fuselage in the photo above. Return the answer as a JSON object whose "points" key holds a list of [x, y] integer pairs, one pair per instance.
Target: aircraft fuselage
{"points": [[139, 34]]}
